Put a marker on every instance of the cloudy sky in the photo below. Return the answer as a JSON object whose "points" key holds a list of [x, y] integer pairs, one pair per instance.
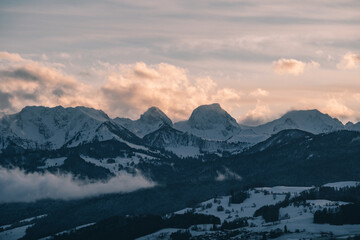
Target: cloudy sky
{"points": [[258, 59]]}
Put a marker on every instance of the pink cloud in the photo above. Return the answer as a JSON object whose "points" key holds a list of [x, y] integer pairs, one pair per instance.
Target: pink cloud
{"points": [[349, 61], [292, 66]]}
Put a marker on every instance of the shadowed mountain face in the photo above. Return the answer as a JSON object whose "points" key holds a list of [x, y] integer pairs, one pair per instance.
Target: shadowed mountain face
{"points": [[149, 121], [210, 122]]}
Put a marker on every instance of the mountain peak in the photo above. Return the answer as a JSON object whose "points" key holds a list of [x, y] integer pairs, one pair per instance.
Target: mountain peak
{"points": [[312, 121], [154, 115], [311, 115], [208, 116], [32, 111], [210, 122]]}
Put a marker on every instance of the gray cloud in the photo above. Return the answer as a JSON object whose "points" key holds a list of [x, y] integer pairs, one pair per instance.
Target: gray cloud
{"points": [[4, 100], [19, 73], [252, 121], [58, 92], [18, 186]]}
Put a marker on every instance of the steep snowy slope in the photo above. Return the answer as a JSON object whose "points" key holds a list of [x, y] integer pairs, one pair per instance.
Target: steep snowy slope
{"points": [[210, 122], [149, 121], [312, 121], [52, 128], [186, 144]]}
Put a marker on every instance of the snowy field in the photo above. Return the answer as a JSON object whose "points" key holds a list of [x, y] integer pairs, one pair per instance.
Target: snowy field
{"points": [[297, 219]]}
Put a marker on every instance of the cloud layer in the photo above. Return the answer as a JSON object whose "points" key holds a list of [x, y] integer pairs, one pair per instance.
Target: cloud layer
{"points": [[18, 186], [27, 82], [349, 61], [136, 87], [292, 66], [127, 90]]}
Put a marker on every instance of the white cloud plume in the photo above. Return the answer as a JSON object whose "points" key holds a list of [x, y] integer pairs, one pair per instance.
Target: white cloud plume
{"points": [[18, 186], [10, 56], [259, 93], [292, 66], [260, 114], [227, 174], [349, 61], [338, 109]]}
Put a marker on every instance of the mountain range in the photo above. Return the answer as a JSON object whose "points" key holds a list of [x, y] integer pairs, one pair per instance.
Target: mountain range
{"points": [[209, 129]]}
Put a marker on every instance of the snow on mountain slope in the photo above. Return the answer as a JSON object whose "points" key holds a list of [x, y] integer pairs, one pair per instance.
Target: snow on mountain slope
{"points": [[52, 128], [186, 144], [149, 121], [117, 164], [311, 121], [210, 122]]}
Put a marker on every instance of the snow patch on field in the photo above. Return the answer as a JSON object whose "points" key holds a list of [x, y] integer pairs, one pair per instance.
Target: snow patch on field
{"points": [[338, 185], [68, 231], [297, 218], [15, 233], [32, 218], [284, 189]]}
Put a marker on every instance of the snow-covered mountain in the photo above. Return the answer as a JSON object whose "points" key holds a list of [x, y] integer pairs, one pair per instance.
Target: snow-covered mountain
{"points": [[53, 128], [210, 122], [312, 121], [149, 121], [209, 129]]}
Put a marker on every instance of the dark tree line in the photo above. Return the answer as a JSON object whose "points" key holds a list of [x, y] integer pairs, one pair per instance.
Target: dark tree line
{"points": [[237, 223], [345, 194], [345, 214], [270, 213]]}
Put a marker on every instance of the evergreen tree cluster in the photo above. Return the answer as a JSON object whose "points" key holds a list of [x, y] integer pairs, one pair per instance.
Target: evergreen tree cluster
{"points": [[345, 214], [238, 197], [345, 194], [238, 223], [270, 213]]}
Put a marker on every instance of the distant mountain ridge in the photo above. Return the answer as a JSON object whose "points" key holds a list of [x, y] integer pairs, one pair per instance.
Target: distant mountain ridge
{"points": [[151, 120], [209, 129], [210, 122], [53, 128]]}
